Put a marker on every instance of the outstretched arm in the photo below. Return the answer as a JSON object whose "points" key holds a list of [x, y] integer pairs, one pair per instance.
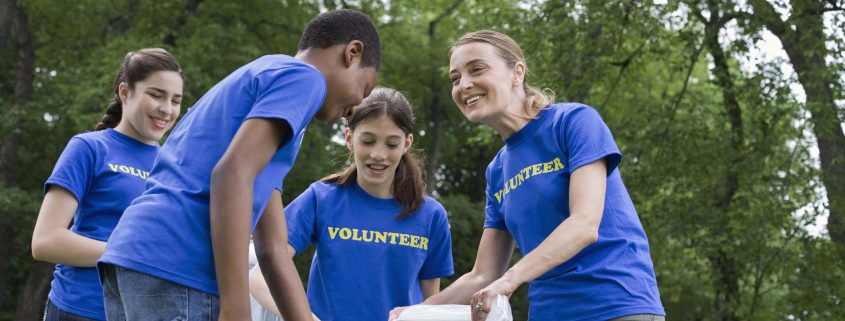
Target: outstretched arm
{"points": [[276, 266], [587, 189], [232, 181]]}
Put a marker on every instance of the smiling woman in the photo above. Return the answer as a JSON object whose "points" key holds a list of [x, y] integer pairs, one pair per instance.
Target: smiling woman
{"points": [[98, 175], [554, 190]]}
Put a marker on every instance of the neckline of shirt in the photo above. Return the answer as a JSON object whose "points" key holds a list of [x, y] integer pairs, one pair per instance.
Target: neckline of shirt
{"points": [[129, 140], [388, 203], [526, 131]]}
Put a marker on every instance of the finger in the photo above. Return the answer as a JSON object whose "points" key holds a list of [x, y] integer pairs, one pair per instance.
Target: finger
{"points": [[487, 301]]}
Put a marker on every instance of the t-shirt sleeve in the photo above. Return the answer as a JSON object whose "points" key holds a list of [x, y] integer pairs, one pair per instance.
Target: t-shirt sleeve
{"points": [[493, 217], [301, 218], [290, 94], [587, 139], [74, 169], [438, 262]]}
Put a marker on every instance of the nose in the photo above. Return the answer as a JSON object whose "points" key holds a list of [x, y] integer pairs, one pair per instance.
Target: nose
{"points": [[165, 109], [465, 84], [377, 154]]}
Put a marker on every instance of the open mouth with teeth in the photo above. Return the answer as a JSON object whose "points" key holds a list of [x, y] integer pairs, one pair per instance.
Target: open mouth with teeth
{"points": [[377, 168], [159, 122], [472, 99]]}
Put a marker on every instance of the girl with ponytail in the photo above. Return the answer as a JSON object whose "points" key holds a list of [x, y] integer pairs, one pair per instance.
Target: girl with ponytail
{"points": [[381, 243], [98, 174]]}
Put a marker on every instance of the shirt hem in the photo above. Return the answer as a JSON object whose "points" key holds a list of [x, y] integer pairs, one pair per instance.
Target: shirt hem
{"points": [[621, 313], [159, 273], [438, 274], [70, 309]]}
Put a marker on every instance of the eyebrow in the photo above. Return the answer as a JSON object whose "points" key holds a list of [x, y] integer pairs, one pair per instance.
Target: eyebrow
{"points": [[164, 91], [388, 137], [466, 64]]}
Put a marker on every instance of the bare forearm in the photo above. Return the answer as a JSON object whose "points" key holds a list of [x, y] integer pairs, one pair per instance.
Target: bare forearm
{"points": [[569, 238], [461, 290], [259, 290], [63, 246], [285, 286], [231, 201]]}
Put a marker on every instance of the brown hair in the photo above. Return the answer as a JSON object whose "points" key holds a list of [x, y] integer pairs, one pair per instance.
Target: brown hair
{"points": [[408, 183], [511, 53], [137, 66]]}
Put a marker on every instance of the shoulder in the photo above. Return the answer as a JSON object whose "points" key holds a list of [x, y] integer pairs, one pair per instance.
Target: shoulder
{"points": [[90, 141], [323, 190], [90, 137], [496, 163], [563, 110], [433, 208], [283, 65]]}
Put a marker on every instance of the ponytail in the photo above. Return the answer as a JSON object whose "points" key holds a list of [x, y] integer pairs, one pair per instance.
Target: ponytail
{"points": [[536, 99], [113, 114], [408, 184]]}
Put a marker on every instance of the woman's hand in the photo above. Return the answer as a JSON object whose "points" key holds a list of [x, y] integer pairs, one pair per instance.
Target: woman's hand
{"points": [[482, 301]]}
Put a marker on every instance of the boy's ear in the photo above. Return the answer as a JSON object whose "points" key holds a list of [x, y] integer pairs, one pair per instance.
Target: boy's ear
{"points": [[353, 53]]}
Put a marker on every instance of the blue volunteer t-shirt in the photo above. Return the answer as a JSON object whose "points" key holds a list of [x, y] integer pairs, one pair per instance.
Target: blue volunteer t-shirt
{"points": [[528, 195], [367, 262], [166, 233], [105, 170]]}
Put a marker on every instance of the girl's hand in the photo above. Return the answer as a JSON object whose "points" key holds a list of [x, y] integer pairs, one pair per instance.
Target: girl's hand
{"points": [[394, 314], [482, 301]]}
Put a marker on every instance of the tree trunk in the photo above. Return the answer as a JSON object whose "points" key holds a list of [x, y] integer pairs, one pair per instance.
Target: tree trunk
{"points": [[803, 39], [432, 160], [727, 300], [7, 9], [31, 300], [189, 10]]}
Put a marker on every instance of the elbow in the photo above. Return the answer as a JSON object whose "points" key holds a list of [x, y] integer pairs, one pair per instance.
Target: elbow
{"points": [[590, 233], [219, 176], [40, 248], [591, 236]]}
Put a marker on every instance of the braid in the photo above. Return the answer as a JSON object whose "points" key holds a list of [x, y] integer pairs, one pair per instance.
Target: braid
{"points": [[112, 116]]}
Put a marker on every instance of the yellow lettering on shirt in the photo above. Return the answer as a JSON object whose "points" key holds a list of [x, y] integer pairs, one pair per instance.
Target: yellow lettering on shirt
{"points": [[377, 237], [333, 232], [527, 173], [128, 170]]}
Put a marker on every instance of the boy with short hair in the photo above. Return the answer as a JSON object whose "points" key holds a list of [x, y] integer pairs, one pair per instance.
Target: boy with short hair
{"points": [[219, 176]]}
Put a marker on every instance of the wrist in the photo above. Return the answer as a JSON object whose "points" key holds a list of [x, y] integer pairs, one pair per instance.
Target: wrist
{"points": [[513, 278]]}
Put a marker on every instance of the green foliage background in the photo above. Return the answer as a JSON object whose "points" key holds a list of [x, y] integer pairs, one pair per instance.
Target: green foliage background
{"points": [[643, 64]]}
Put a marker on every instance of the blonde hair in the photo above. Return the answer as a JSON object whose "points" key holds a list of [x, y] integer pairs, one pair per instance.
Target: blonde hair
{"points": [[511, 53]]}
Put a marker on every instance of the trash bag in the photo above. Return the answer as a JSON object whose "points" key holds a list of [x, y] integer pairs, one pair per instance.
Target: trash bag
{"points": [[500, 311]]}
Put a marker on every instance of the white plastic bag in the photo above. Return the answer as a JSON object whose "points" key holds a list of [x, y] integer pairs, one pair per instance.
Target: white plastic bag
{"points": [[500, 311]]}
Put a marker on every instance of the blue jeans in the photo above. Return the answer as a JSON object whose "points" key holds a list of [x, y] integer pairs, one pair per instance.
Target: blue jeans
{"points": [[640, 317], [53, 313], [135, 296]]}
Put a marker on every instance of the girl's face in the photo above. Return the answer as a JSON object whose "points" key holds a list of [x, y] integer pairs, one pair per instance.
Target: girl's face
{"points": [[483, 86], [377, 145], [151, 108]]}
